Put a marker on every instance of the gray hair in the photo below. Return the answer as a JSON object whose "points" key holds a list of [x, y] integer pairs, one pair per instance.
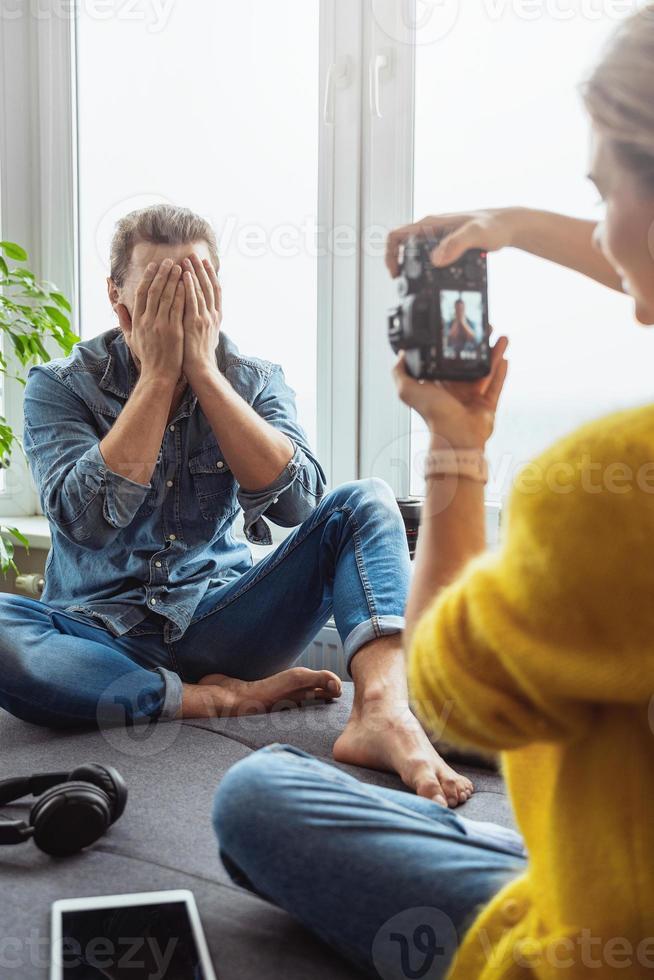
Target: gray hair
{"points": [[619, 95], [160, 224]]}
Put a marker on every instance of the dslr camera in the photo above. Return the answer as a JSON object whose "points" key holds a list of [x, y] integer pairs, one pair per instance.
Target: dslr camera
{"points": [[442, 319]]}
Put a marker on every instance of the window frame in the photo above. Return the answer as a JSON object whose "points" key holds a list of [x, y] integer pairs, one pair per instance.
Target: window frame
{"points": [[38, 202], [365, 184], [41, 210]]}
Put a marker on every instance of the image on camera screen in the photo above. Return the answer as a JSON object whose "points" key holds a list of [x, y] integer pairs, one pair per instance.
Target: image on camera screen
{"points": [[462, 315]]}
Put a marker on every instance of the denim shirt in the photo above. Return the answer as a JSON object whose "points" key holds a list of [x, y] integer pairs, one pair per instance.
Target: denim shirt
{"points": [[122, 551]]}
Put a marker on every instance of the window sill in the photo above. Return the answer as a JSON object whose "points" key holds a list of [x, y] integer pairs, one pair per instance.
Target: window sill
{"points": [[35, 529]]}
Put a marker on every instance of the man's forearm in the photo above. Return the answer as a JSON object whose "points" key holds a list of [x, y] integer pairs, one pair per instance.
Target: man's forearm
{"points": [[563, 240], [132, 446], [256, 452], [452, 531]]}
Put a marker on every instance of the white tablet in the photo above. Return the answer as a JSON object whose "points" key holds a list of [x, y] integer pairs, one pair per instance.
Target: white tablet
{"points": [[146, 936]]}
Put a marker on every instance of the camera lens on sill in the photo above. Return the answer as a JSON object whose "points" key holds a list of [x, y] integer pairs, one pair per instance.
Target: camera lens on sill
{"points": [[411, 509]]}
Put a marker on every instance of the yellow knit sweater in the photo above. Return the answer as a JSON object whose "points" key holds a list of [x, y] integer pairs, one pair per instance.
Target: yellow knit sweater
{"points": [[545, 652]]}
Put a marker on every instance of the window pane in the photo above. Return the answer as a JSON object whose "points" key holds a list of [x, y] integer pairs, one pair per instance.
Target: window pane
{"points": [[499, 121], [214, 107]]}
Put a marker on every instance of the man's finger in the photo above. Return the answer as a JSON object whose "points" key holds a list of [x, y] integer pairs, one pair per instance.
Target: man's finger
{"points": [[215, 285], [204, 281], [190, 296], [124, 319], [157, 287], [177, 309], [143, 289], [199, 295], [170, 289]]}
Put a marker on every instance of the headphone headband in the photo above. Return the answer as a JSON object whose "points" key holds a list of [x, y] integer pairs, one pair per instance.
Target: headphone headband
{"points": [[74, 809], [14, 789], [15, 831]]}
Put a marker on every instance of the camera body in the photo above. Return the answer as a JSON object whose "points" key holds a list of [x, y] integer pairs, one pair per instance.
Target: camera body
{"points": [[442, 319]]}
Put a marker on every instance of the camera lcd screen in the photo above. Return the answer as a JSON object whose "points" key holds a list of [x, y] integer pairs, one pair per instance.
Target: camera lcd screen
{"points": [[464, 332], [142, 941]]}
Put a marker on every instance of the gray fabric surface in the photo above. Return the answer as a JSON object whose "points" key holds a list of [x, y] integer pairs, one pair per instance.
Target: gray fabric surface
{"points": [[165, 839]]}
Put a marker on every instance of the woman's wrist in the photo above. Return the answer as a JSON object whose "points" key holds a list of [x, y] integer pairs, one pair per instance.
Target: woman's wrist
{"points": [[517, 223], [439, 440]]}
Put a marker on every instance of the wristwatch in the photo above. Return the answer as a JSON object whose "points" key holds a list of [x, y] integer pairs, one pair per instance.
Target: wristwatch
{"points": [[468, 463]]}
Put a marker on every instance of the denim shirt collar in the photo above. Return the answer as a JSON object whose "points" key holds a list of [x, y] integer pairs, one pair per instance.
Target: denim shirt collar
{"points": [[121, 373]]}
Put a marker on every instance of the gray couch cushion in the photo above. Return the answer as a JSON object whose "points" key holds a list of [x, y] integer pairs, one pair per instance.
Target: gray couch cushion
{"points": [[165, 839]]}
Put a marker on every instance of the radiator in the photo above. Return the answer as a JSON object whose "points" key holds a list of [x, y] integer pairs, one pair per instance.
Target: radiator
{"points": [[325, 652]]}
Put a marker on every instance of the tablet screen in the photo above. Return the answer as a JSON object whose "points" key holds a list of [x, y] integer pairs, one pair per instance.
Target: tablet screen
{"points": [[140, 942]]}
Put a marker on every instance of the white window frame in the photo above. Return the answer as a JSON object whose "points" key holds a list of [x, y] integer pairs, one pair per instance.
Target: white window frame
{"points": [[388, 148], [38, 191], [367, 94], [387, 203], [37, 176]]}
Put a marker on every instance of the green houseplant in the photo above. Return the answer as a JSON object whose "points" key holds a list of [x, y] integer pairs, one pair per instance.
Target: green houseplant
{"points": [[31, 312]]}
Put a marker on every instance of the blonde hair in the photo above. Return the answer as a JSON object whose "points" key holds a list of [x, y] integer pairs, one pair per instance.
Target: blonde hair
{"points": [[619, 95], [160, 224]]}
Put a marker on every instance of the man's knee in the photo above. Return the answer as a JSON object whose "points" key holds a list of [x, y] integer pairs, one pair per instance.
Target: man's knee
{"points": [[370, 493]]}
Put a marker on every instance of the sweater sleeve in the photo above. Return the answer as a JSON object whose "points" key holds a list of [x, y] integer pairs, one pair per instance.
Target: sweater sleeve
{"points": [[530, 644], [469, 689]]}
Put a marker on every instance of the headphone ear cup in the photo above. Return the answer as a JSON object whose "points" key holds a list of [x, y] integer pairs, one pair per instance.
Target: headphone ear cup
{"points": [[70, 817], [107, 779]]}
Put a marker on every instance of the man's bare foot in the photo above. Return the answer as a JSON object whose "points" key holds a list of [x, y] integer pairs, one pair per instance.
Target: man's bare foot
{"points": [[219, 696], [386, 735]]}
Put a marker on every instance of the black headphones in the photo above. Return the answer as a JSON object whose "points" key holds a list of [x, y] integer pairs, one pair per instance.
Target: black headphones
{"points": [[75, 808]]}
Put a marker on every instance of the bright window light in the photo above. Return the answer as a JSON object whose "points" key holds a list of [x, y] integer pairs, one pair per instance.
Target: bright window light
{"points": [[213, 106], [499, 121]]}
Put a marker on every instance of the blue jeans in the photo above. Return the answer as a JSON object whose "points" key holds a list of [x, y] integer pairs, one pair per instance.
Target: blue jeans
{"points": [[349, 559], [390, 880]]}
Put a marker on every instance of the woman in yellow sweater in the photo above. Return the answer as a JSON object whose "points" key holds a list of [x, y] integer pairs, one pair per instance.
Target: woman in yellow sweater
{"points": [[543, 652]]}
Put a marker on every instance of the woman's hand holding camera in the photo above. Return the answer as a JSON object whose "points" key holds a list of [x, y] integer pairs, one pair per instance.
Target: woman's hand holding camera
{"points": [[489, 230], [460, 414]]}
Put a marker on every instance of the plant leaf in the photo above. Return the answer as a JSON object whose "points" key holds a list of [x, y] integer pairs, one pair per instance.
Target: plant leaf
{"points": [[19, 537], [6, 555], [58, 317], [14, 251], [23, 274], [61, 300]]}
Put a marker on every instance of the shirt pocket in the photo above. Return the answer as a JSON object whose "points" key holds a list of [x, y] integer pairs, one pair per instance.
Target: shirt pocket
{"points": [[214, 484]]}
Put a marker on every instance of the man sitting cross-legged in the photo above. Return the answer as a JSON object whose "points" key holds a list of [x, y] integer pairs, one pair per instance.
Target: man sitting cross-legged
{"points": [[144, 444]]}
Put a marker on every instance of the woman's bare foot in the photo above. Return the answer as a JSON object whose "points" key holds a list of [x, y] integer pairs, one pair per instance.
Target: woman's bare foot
{"points": [[382, 734], [219, 696]]}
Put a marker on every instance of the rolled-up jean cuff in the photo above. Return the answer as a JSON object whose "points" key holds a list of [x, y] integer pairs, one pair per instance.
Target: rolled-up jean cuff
{"points": [[172, 703], [370, 630]]}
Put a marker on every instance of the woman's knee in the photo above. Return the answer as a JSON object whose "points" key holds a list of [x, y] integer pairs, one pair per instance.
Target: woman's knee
{"points": [[254, 799]]}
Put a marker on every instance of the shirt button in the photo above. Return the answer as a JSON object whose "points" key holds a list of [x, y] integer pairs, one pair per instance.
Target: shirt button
{"points": [[153, 602], [276, 500], [220, 465], [171, 428], [157, 564], [169, 483], [172, 537]]}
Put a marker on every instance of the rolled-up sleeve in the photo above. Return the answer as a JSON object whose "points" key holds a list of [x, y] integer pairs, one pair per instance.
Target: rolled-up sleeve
{"points": [[87, 501], [293, 496]]}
